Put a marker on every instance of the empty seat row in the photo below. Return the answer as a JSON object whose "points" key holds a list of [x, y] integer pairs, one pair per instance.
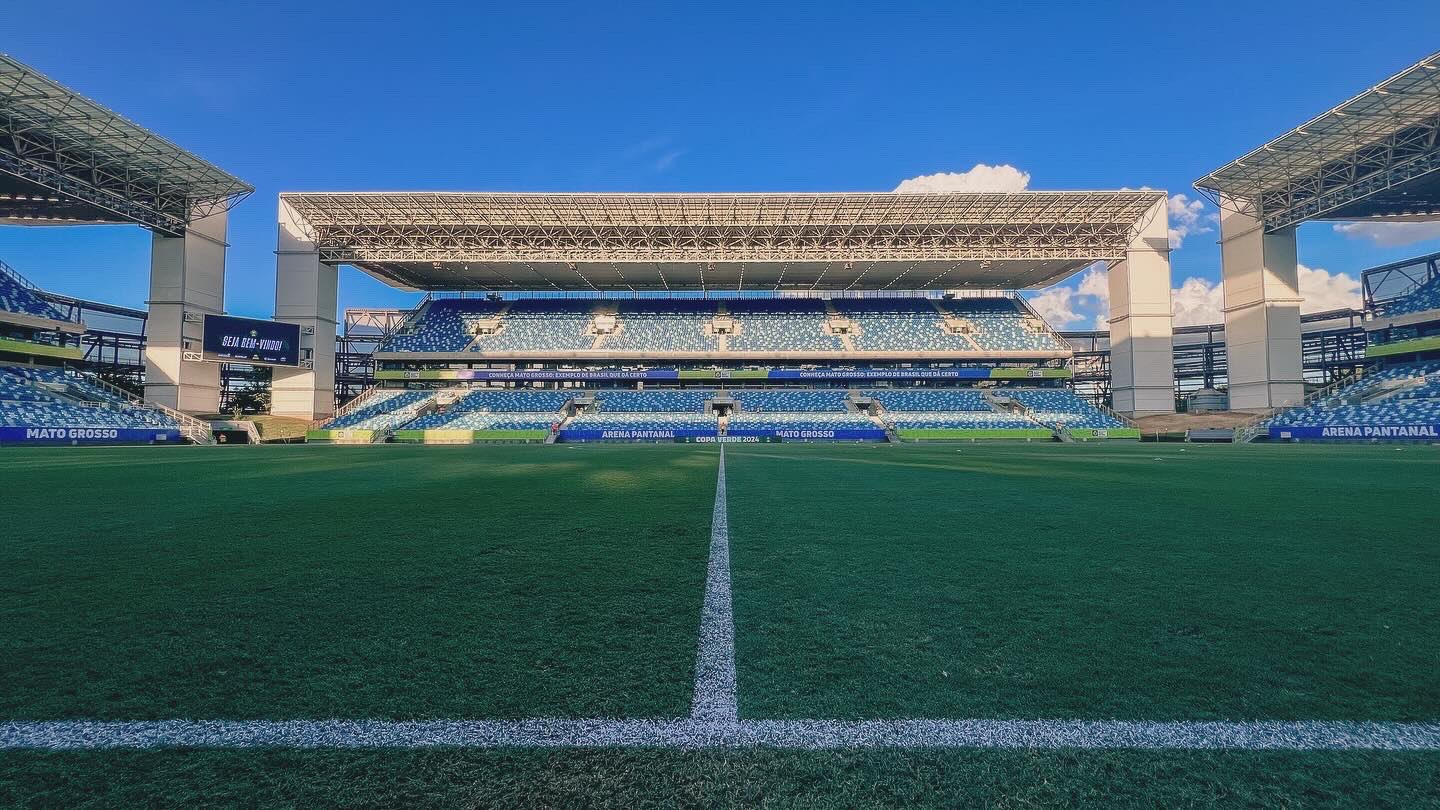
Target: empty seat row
{"points": [[684, 325]]}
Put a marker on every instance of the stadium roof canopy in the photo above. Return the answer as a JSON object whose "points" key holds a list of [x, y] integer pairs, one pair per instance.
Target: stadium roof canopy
{"points": [[639, 242], [65, 159], [1376, 155]]}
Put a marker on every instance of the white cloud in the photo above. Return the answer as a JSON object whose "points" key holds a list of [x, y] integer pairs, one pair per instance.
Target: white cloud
{"points": [[1096, 284], [1323, 291], [1197, 301], [982, 177], [1390, 234], [1187, 218], [1064, 306], [665, 161], [1057, 306]]}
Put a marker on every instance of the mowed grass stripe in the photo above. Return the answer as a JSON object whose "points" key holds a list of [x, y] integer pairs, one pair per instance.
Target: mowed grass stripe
{"points": [[364, 582], [1130, 582], [631, 778]]}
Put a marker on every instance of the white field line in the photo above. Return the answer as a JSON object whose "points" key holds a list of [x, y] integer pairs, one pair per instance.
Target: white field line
{"points": [[692, 734], [713, 723], [715, 695]]}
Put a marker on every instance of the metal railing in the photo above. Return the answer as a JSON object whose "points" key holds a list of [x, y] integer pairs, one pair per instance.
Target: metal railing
{"points": [[196, 430], [26, 284], [1108, 411], [1249, 430], [358, 402]]}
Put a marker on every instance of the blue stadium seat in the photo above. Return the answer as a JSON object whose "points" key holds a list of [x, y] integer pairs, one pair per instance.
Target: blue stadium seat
{"points": [[780, 324], [46, 397], [443, 325], [1422, 298], [498, 409], [653, 400], [1054, 407], [790, 401], [384, 409], [663, 325], [16, 296], [542, 324], [931, 400], [1414, 400]]}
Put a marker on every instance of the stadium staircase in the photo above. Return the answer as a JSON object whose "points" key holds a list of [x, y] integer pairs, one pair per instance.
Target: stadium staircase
{"points": [[1046, 328], [1388, 389], [361, 400], [499, 317], [847, 339], [196, 431], [1259, 425], [415, 316], [946, 316], [404, 416]]}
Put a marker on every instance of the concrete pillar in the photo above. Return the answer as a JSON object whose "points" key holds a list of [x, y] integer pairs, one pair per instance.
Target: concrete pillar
{"points": [[1262, 311], [305, 294], [1142, 360], [187, 278]]}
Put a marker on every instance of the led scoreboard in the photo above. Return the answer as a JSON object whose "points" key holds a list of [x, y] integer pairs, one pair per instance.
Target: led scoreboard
{"points": [[245, 340]]}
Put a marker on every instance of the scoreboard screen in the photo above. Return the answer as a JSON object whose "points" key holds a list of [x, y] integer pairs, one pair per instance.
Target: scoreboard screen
{"points": [[246, 340]]}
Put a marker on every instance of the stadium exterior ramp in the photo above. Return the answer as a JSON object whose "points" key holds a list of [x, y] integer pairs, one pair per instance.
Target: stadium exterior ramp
{"points": [[778, 243], [1375, 158]]}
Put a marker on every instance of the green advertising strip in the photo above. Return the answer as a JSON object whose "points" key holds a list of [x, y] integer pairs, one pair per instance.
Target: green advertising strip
{"points": [[1087, 434], [1030, 373], [340, 436], [953, 434], [468, 436], [427, 374], [40, 349], [736, 374], [1424, 344]]}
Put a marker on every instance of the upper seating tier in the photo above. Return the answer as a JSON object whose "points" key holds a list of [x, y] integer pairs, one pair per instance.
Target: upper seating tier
{"points": [[1421, 299], [16, 297], [684, 325]]}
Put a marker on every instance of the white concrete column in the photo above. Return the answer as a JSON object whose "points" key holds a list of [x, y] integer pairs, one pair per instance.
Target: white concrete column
{"points": [[1142, 360], [305, 294], [187, 276], [1262, 312]]}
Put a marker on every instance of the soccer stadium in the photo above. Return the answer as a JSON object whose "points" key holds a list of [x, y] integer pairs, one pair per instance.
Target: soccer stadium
{"points": [[719, 498]]}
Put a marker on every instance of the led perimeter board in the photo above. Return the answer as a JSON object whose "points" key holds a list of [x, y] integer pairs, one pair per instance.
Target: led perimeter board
{"points": [[245, 340]]}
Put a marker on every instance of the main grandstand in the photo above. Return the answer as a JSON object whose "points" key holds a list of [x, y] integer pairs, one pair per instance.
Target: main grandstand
{"points": [[746, 317]]}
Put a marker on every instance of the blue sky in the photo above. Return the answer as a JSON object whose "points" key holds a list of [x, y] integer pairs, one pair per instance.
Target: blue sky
{"points": [[696, 97]]}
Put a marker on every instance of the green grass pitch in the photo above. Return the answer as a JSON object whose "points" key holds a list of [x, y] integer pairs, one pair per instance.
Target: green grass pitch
{"points": [[1120, 581]]}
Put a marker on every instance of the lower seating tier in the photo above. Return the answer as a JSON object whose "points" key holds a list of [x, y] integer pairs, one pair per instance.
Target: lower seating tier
{"points": [[34, 397]]}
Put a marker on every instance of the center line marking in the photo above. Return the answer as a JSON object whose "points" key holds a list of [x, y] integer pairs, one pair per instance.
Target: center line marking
{"points": [[715, 662], [692, 734]]}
